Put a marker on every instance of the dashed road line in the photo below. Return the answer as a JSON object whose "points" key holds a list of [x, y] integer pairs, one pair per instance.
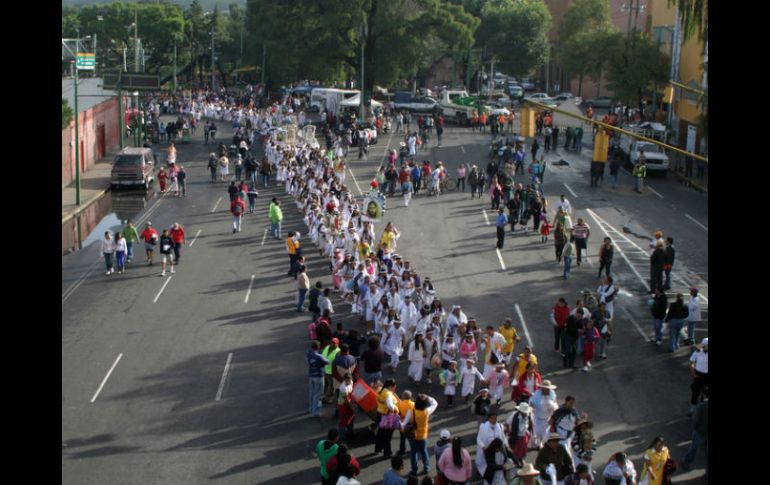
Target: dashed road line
{"points": [[462, 148], [196, 237], [161, 289], [263, 237], [693, 219], [216, 205], [636, 324], [224, 377], [104, 381], [524, 325], [485, 216], [74, 286], [248, 293], [500, 257], [360, 192], [571, 191], [601, 223], [654, 191]]}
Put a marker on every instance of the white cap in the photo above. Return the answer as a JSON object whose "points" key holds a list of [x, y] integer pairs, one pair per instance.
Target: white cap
{"points": [[444, 434], [704, 342]]}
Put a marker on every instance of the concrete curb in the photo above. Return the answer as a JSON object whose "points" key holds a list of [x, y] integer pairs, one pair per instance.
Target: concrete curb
{"points": [[83, 206]]}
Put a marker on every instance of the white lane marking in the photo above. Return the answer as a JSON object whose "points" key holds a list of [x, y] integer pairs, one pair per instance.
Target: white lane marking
{"points": [[485, 216], [688, 284], [224, 376], [524, 324], [196, 237], [654, 191], [217, 204], [571, 191], [692, 219], [74, 286], [500, 257], [246, 300], [360, 192], [617, 246], [636, 325], [161, 289], [462, 148], [150, 210], [104, 381], [263, 237]]}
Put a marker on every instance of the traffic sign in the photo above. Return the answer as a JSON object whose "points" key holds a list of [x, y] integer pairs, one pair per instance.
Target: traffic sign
{"points": [[86, 61]]}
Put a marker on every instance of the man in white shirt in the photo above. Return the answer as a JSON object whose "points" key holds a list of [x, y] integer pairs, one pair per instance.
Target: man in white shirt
{"points": [[694, 315], [488, 431], [492, 343], [699, 368], [563, 202], [409, 315], [455, 318], [394, 343]]}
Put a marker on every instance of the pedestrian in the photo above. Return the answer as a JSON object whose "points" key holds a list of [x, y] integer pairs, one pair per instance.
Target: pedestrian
{"points": [[316, 363], [150, 237], [294, 251], [655, 458], [252, 194], [166, 252], [455, 463], [677, 313], [393, 475], [325, 303], [325, 450], [224, 168], [639, 172], [559, 316], [213, 163], [313, 298], [591, 336], [346, 413], [669, 262], [329, 352], [178, 236], [606, 251], [462, 172], [606, 294], [572, 331], [502, 219], [407, 189], [554, 453], [237, 208], [526, 385], [511, 336], [303, 284], [265, 169], [450, 378], [162, 179], [583, 476], [387, 418], [394, 343], [489, 431], [121, 249], [238, 167], [543, 404], [566, 254], [521, 428], [581, 232], [498, 463], [444, 443], [497, 379], [693, 315], [181, 177], [276, 216], [473, 180], [373, 358], [658, 305], [700, 432], [108, 250], [657, 261], [419, 419], [528, 475], [233, 190], [603, 322], [559, 240], [699, 368], [614, 170], [131, 237]]}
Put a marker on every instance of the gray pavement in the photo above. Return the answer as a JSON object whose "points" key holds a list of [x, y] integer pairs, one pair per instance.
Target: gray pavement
{"points": [[157, 418]]}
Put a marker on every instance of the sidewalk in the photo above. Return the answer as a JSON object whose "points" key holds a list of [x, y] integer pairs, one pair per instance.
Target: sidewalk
{"points": [[93, 185]]}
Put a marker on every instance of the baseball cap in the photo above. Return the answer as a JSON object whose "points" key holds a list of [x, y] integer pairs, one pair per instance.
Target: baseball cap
{"points": [[445, 434]]}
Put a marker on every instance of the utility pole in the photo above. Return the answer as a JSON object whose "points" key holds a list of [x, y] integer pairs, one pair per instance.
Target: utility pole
{"points": [[212, 57], [363, 90], [674, 74], [240, 59], [174, 64], [77, 131], [264, 54]]}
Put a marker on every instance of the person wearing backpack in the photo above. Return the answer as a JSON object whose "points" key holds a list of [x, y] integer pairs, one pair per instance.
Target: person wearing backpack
{"points": [[213, 166], [237, 208], [316, 363]]}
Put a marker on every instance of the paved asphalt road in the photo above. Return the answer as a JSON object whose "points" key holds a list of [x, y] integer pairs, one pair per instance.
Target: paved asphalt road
{"points": [[168, 340]]}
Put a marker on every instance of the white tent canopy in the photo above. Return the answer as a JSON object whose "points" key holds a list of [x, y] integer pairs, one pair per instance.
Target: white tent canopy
{"points": [[564, 121], [356, 101]]}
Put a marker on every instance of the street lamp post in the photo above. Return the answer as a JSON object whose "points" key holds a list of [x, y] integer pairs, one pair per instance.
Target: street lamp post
{"points": [[363, 87]]}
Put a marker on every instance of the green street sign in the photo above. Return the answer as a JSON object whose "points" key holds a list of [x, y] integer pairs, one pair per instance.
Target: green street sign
{"points": [[86, 61]]}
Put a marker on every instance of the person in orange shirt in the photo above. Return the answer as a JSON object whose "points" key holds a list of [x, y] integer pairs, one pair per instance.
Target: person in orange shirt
{"points": [[474, 121], [511, 117], [501, 123], [483, 122]]}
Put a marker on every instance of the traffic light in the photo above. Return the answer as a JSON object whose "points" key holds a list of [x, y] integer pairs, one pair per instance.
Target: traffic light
{"points": [[527, 122], [601, 146]]}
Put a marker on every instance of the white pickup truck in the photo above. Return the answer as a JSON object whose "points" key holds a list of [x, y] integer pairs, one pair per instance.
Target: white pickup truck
{"points": [[460, 113], [654, 155]]}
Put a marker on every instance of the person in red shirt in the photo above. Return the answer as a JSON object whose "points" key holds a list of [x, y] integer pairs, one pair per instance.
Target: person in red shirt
{"points": [[527, 384], [337, 464], [150, 237], [162, 178], [426, 173], [403, 175], [559, 316], [177, 234], [237, 208]]}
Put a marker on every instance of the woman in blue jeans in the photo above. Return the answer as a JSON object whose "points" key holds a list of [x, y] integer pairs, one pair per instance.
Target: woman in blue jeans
{"points": [[659, 303], [677, 312]]}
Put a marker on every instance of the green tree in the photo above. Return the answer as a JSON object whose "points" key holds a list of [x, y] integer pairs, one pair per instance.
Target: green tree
{"points": [[584, 38], [694, 17], [634, 66], [66, 113], [516, 33]]}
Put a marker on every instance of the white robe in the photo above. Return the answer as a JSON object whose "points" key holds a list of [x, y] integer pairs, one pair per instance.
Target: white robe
{"points": [[416, 359], [469, 379], [487, 433], [542, 409]]}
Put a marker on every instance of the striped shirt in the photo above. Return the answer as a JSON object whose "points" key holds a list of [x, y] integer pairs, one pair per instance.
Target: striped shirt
{"points": [[580, 231]]}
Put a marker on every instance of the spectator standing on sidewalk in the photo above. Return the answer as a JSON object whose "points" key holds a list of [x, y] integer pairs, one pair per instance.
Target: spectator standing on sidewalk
{"points": [[131, 236], [108, 250], [150, 237], [303, 284], [693, 316], [316, 363], [276, 216]]}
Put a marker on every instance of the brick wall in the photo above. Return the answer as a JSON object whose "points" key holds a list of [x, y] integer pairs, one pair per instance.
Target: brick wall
{"points": [[103, 114]]}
